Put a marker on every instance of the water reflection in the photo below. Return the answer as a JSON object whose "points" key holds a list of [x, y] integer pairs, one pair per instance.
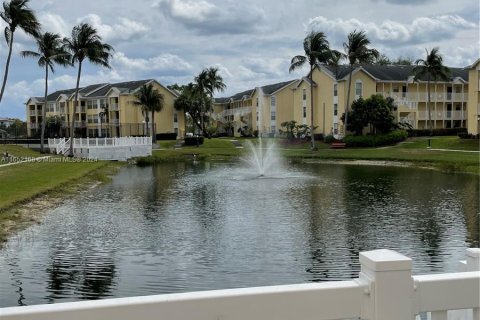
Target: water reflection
{"points": [[180, 227]]}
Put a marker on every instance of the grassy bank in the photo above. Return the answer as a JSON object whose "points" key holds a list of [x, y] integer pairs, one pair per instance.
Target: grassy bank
{"points": [[43, 184], [413, 151]]}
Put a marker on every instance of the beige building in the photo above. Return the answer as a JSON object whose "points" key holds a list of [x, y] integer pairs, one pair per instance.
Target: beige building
{"points": [[291, 100], [106, 110], [473, 123]]}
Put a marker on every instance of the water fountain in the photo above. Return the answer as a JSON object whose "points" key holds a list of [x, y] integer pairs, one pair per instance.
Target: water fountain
{"points": [[263, 157]]}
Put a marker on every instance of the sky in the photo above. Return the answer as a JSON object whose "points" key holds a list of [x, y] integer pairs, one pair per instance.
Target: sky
{"points": [[250, 41]]}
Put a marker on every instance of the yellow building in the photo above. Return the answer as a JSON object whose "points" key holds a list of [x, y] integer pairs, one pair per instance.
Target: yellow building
{"points": [[106, 110], [473, 123], [262, 109]]}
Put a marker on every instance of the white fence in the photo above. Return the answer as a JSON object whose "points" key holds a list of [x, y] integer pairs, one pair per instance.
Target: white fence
{"points": [[385, 290], [121, 148]]}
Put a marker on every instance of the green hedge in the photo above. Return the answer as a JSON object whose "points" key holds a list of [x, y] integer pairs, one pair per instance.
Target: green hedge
{"points": [[193, 141], [436, 132], [376, 140]]}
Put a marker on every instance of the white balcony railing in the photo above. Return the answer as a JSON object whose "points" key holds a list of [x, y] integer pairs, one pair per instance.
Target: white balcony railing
{"points": [[114, 107], [80, 124], [423, 96], [385, 289], [33, 125], [236, 112], [33, 113], [81, 109], [442, 115]]}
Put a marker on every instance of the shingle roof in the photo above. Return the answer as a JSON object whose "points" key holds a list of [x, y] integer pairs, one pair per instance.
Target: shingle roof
{"points": [[391, 72], [275, 87], [269, 89], [54, 96], [92, 88], [122, 86]]}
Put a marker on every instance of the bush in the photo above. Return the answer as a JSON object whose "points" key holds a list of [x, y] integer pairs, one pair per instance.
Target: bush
{"points": [[376, 140], [329, 139], [193, 141], [318, 136], [466, 135], [436, 132], [166, 136]]}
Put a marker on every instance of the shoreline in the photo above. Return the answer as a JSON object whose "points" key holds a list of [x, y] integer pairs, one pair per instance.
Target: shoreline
{"points": [[32, 210]]}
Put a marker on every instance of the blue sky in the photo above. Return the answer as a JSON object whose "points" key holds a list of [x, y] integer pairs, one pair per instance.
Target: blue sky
{"points": [[251, 42]]}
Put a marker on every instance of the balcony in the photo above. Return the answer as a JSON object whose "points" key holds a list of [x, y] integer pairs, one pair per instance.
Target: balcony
{"points": [[79, 124], [408, 97], [114, 107], [33, 113], [236, 112], [442, 115], [33, 125], [115, 121], [81, 109]]}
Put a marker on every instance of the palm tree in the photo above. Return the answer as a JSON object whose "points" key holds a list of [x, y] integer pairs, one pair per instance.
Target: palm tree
{"points": [[85, 43], [17, 14], [433, 69], [190, 102], [150, 100], [317, 51], [50, 52], [209, 80], [356, 51]]}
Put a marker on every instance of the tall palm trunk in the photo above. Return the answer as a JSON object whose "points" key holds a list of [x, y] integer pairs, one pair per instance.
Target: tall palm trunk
{"points": [[429, 107], [348, 99], [7, 66], [312, 133], [44, 112], [72, 123], [154, 132]]}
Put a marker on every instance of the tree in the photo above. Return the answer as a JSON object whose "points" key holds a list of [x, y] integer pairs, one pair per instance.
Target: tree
{"points": [[356, 51], [85, 44], [375, 112], [50, 52], [209, 81], [317, 51], [17, 14], [151, 101], [431, 68], [53, 126], [191, 102]]}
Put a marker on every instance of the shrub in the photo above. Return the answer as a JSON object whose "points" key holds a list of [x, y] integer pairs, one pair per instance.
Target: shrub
{"points": [[376, 140], [329, 139], [436, 132], [193, 141], [166, 136], [318, 136], [466, 135]]}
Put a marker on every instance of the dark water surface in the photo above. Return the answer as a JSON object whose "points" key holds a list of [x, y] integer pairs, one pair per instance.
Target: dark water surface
{"points": [[183, 227]]}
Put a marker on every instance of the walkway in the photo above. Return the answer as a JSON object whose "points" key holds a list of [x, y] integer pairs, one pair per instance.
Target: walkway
{"points": [[453, 150]]}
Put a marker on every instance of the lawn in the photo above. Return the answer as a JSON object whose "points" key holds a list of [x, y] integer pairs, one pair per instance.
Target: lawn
{"points": [[413, 151], [17, 151]]}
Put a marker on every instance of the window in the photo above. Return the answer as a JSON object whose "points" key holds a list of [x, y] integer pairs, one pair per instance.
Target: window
{"points": [[335, 109], [273, 115], [335, 128], [335, 90], [257, 115], [304, 112], [273, 129], [304, 95], [51, 107], [358, 89], [257, 102], [175, 117], [175, 130], [91, 104], [273, 101], [103, 103]]}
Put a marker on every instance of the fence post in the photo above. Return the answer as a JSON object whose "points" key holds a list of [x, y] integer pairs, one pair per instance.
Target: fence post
{"points": [[473, 264], [388, 276]]}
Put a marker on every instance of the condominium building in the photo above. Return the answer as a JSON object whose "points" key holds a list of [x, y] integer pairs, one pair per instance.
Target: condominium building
{"points": [[291, 100], [106, 110], [473, 124]]}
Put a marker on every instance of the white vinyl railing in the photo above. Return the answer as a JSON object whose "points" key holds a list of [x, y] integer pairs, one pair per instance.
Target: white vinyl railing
{"points": [[111, 142], [236, 112], [423, 96], [384, 290]]}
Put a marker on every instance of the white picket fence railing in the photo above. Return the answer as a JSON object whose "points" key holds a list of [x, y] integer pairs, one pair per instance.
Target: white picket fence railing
{"points": [[384, 290]]}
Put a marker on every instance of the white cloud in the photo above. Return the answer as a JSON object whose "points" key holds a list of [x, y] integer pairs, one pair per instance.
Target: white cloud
{"points": [[125, 29], [228, 17], [55, 23], [420, 30], [165, 63]]}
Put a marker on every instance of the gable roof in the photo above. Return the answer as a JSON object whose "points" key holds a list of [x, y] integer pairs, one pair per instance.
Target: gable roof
{"points": [[272, 88], [391, 72], [124, 87]]}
